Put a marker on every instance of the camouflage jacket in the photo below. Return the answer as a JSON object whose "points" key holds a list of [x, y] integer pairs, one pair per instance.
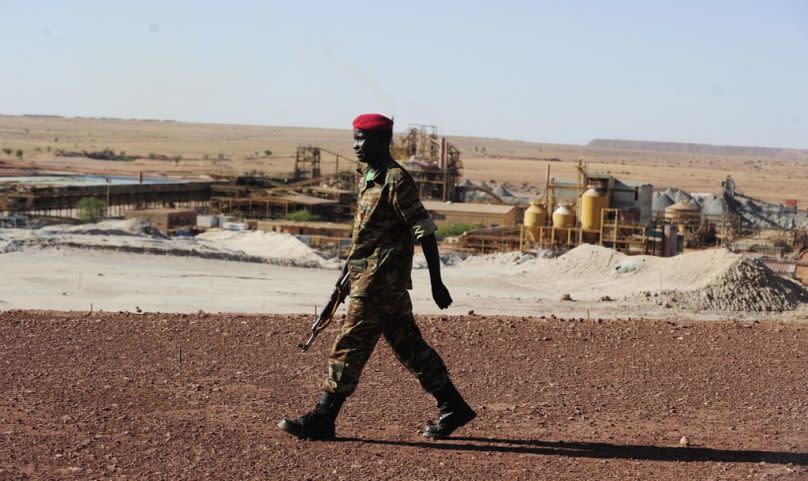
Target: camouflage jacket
{"points": [[389, 218]]}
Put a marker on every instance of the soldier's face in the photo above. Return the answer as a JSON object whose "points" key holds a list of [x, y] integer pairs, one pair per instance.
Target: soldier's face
{"points": [[368, 146]]}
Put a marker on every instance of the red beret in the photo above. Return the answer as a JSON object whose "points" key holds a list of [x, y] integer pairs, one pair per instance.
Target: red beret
{"points": [[372, 122]]}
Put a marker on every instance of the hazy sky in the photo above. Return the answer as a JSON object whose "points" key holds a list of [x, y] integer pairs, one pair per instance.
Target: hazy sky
{"points": [[715, 72]]}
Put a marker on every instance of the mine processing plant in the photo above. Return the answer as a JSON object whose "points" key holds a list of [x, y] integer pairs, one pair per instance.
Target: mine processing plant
{"points": [[594, 208]]}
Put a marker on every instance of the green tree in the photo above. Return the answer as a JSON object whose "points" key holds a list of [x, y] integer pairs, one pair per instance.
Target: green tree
{"points": [[268, 153], [452, 230], [90, 209], [18, 153], [7, 151], [302, 215]]}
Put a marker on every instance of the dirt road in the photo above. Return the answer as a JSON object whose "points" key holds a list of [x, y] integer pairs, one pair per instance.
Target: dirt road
{"points": [[170, 396]]}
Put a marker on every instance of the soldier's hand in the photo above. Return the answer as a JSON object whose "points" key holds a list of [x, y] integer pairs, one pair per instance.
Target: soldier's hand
{"points": [[441, 295]]}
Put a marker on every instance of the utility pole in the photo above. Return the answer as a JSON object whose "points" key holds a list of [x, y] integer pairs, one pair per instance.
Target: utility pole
{"points": [[107, 206]]}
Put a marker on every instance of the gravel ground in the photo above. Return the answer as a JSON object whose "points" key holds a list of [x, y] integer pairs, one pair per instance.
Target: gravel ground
{"points": [[181, 396]]}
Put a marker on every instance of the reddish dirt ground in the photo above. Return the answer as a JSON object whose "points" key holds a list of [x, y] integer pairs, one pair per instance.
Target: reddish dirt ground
{"points": [[106, 396]]}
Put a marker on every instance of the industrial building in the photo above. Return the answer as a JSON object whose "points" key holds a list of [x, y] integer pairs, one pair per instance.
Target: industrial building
{"points": [[485, 215], [433, 162], [165, 220], [328, 229], [33, 197], [593, 208]]}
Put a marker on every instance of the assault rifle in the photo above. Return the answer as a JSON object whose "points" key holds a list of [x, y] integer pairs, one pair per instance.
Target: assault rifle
{"points": [[322, 320]]}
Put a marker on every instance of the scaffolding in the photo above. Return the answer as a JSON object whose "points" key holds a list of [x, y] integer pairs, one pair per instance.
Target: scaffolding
{"points": [[307, 162], [433, 162], [62, 201], [621, 236], [490, 239]]}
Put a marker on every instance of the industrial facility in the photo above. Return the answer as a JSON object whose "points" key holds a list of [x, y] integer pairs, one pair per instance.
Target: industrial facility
{"points": [[318, 207], [594, 209], [432, 161]]}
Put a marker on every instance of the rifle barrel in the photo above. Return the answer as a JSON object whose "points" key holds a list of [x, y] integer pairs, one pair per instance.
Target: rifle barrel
{"points": [[322, 319]]}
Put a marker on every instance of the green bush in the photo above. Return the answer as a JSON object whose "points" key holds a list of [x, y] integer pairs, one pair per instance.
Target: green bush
{"points": [[107, 154], [302, 215], [90, 209], [455, 230]]}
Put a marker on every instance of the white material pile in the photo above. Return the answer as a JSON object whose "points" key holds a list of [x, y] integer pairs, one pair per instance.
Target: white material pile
{"points": [[267, 245], [127, 227], [710, 280], [140, 237], [51, 259]]}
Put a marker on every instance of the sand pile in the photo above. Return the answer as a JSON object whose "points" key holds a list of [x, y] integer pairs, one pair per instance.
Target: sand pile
{"points": [[747, 285], [138, 237], [127, 227], [504, 259], [10, 245], [712, 280], [500, 261], [267, 245]]}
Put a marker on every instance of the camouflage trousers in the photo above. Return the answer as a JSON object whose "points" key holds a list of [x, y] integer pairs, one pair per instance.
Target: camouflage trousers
{"points": [[370, 317]]}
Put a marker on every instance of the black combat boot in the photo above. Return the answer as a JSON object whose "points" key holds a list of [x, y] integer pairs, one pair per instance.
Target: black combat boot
{"points": [[454, 412], [319, 422]]}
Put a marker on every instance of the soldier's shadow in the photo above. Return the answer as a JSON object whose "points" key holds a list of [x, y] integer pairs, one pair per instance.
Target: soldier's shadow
{"points": [[598, 450]]}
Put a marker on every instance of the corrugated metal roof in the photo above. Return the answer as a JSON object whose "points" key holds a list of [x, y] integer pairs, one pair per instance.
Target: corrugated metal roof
{"points": [[467, 207], [305, 199], [160, 211]]}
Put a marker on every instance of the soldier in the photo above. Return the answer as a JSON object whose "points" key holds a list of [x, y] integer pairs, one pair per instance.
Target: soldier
{"points": [[389, 218]]}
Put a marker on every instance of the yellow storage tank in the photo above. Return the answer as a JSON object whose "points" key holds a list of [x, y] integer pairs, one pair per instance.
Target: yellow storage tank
{"points": [[593, 201], [563, 217], [535, 215]]}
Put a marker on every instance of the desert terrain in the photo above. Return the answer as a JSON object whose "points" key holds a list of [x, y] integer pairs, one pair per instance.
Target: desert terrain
{"points": [[218, 149], [197, 396], [128, 354]]}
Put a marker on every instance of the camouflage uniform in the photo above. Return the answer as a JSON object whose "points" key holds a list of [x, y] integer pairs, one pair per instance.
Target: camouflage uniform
{"points": [[389, 218]]}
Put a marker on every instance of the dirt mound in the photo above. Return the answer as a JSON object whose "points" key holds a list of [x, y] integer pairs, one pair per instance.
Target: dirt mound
{"points": [[709, 280], [140, 237], [747, 285], [128, 227], [267, 245]]}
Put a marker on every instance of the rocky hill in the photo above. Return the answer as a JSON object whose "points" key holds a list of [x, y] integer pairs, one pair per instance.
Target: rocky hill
{"points": [[691, 148]]}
